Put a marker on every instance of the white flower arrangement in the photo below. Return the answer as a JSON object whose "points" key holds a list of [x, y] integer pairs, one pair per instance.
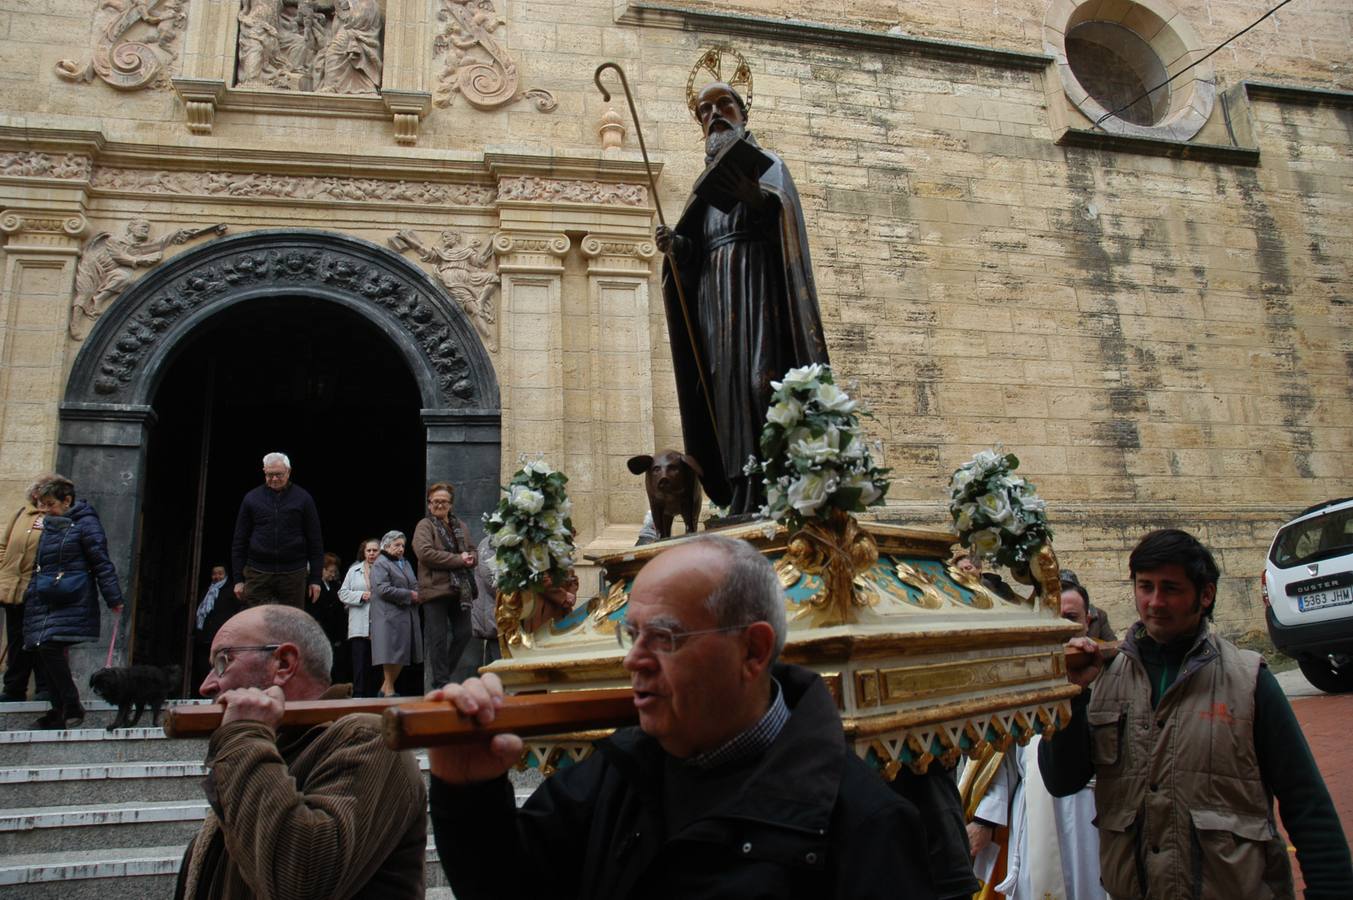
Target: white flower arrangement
{"points": [[996, 513], [531, 532], [813, 454]]}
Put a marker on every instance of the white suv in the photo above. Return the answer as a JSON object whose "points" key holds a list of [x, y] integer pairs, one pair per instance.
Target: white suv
{"points": [[1308, 592]]}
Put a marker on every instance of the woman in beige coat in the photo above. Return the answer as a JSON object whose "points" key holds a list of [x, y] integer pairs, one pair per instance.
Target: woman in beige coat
{"points": [[445, 553], [18, 553]]}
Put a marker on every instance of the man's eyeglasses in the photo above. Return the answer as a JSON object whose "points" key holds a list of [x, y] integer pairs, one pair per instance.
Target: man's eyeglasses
{"points": [[226, 655], [273, 476], [659, 639]]}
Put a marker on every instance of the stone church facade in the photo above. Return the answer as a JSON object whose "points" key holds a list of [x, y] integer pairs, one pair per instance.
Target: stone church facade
{"points": [[1146, 301]]}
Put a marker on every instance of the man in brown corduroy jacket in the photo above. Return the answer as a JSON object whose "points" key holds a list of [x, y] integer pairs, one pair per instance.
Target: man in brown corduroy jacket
{"points": [[323, 812]]}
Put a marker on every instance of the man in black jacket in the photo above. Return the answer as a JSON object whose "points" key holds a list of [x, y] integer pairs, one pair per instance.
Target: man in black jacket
{"points": [[277, 554], [736, 784]]}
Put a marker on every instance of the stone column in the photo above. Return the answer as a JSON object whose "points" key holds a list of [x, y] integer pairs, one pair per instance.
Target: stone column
{"points": [[463, 447], [530, 321], [103, 450], [619, 270], [41, 249]]}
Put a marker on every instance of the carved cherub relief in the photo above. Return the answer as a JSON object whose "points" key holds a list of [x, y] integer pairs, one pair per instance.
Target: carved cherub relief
{"points": [[108, 264], [465, 271]]}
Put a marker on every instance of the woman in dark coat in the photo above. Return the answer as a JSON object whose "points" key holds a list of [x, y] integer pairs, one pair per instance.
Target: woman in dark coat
{"points": [[73, 545], [442, 545], [396, 639]]}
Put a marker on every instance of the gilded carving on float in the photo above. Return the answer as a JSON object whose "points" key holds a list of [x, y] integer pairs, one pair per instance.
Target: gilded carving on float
{"points": [[836, 550], [474, 63], [135, 44]]}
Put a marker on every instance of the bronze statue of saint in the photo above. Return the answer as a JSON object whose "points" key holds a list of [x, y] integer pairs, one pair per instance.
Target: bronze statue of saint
{"points": [[748, 283]]}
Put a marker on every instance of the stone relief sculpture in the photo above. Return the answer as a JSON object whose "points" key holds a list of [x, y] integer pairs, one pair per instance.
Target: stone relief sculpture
{"points": [[529, 187], [303, 45], [126, 62], [350, 63], [294, 187], [465, 272], [474, 63], [108, 264], [45, 165]]}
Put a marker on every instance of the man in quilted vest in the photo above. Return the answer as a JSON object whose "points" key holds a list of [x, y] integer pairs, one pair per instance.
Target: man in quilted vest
{"points": [[1190, 739]]}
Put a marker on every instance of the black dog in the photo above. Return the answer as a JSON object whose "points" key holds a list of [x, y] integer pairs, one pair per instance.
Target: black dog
{"points": [[139, 686]]}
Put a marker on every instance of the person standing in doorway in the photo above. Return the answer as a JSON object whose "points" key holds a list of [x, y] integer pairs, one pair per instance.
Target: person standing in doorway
{"points": [[446, 585], [396, 639], [277, 553], [356, 595]]}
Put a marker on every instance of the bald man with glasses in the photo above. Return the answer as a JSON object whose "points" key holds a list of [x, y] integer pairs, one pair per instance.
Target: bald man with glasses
{"points": [[314, 812], [737, 782]]}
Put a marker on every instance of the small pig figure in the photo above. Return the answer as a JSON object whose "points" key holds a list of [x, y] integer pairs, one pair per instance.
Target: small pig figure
{"points": [[672, 480]]}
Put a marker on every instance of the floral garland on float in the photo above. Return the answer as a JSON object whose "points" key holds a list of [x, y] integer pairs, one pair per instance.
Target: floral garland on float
{"points": [[532, 537], [999, 516], [817, 472]]}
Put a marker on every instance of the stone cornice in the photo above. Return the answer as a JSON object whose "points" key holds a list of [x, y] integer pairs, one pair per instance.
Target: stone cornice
{"points": [[657, 15], [1126, 143], [1298, 95]]}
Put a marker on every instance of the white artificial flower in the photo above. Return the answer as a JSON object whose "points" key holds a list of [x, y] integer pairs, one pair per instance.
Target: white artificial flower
{"points": [[817, 449], [787, 413], [551, 521], [538, 466], [537, 557], [985, 542], [995, 506], [832, 399], [774, 494], [802, 377], [985, 460], [962, 478], [807, 493], [525, 499], [963, 521], [560, 549], [868, 491], [751, 466], [566, 508], [1034, 504], [506, 536]]}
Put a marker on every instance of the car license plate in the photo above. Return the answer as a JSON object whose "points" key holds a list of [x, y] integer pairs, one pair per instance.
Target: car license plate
{"points": [[1336, 597]]}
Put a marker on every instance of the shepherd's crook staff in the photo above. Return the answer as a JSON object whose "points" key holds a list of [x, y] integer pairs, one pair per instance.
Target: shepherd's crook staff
{"points": [[671, 250]]}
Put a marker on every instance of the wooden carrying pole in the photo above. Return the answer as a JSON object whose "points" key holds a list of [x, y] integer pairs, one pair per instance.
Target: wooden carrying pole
{"points": [[412, 722]]}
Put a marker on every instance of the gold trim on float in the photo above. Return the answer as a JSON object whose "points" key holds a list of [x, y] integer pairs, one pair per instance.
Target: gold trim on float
{"points": [[902, 684], [859, 727]]}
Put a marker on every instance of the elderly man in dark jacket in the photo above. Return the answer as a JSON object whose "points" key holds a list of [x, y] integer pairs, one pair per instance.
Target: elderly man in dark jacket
{"points": [[736, 784], [277, 554]]}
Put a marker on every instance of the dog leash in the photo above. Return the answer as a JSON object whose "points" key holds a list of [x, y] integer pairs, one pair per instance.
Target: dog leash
{"points": [[111, 644]]}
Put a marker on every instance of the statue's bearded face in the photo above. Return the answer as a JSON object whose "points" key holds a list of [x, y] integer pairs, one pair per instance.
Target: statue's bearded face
{"points": [[720, 116]]}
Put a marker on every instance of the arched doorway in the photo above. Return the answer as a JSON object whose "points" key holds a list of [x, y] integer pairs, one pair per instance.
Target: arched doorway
{"points": [[329, 348]]}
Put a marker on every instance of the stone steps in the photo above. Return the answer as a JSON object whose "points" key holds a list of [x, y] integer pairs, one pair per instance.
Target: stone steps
{"points": [[125, 872], [87, 813]]}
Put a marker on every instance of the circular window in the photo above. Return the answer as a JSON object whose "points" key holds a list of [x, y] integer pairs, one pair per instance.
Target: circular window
{"points": [[1125, 65]]}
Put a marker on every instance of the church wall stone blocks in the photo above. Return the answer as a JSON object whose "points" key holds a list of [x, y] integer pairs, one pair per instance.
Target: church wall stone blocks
{"points": [[1154, 317]]}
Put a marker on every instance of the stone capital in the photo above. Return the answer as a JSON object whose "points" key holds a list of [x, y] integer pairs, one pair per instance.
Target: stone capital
{"points": [[614, 254], [43, 230], [531, 252]]}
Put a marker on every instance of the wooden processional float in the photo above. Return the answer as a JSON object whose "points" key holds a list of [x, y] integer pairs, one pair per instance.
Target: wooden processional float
{"points": [[923, 660]]}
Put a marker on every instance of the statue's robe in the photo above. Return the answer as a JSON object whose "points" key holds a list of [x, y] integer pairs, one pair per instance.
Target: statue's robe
{"points": [[748, 281]]}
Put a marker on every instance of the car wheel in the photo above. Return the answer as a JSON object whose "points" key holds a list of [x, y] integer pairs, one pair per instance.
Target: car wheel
{"points": [[1322, 673]]}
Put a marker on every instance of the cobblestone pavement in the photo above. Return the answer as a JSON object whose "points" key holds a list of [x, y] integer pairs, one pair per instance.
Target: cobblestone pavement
{"points": [[1325, 719]]}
